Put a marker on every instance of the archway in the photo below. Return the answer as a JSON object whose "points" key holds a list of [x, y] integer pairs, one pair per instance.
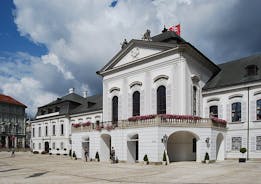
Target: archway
{"points": [[46, 146], [182, 146], [220, 149], [85, 146], [105, 147], [133, 148]]}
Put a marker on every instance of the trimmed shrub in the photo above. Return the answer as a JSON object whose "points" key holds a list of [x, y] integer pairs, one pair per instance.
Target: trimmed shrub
{"points": [[164, 156], [145, 158], [35, 152], [97, 156], [43, 152], [206, 156], [243, 150]]}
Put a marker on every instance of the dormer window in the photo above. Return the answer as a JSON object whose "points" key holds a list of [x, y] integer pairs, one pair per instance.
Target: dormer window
{"points": [[42, 112], [251, 70], [50, 110], [57, 109]]}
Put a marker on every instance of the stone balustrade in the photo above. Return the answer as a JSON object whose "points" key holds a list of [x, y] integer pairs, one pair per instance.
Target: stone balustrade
{"points": [[154, 122]]}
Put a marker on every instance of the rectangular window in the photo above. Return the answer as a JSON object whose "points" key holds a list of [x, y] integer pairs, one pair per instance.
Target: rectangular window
{"points": [[258, 143], [46, 131], [258, 109], [53, 145], [33, 145], [39, 133], [236, 112], [61, 145], [62, 129], [33, 132], [213, 111], [236, 143], [53, 129], [39, 146]]}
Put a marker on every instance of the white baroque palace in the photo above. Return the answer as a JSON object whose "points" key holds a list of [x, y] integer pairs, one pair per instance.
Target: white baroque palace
{"points": [[159, 95]]}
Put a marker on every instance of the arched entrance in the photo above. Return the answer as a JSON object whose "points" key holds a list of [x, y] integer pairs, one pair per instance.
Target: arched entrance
{"points": [[46, 146], [133, 148], [220, 149], [105, 147], [85, 147], [182, 146]]}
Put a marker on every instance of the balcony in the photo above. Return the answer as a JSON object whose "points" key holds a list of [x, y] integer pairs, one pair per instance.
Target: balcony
{"points": [[154, 121]]}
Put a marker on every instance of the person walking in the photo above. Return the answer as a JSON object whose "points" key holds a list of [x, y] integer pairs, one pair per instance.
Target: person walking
{"points": [[86, 155]]}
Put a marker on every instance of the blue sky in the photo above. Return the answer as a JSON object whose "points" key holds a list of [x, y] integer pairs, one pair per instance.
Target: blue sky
{"points": [[10, 39], [51, 46]]}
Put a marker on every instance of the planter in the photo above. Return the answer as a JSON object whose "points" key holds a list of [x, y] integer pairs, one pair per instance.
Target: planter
{"points": [[164, 162], [145, 162], [96, 160], [207, 161], [242, 160]]}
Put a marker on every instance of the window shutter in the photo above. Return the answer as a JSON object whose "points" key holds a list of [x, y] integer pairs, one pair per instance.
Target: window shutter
{"points": [[142, 106], [119, 108], [153, 100], [228, 112], [168, 99], [252, 110], [220, 111], [253, 144], [228, 143], [243, 112], [129, 105]]}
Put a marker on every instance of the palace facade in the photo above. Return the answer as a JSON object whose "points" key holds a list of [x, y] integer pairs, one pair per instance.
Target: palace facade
{"points": [[159, 95]]}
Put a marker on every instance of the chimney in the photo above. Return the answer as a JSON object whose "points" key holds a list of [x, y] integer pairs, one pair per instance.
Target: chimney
{"points": [[85, 94], [71, 90]]}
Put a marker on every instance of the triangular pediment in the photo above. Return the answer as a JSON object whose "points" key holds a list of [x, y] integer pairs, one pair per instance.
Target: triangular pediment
{"points": [[134, 51]]}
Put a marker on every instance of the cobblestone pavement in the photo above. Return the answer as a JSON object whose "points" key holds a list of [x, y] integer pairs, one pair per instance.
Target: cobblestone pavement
{"points": [[27, 168]]}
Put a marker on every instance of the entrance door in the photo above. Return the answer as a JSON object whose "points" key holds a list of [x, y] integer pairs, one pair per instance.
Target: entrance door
{"points": [[46, 146]]}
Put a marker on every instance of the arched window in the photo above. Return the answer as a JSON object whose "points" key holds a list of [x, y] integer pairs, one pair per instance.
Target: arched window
{"points": [[136, 103], [161, 100], [194, 95], [115, 109], [236, 111], [213, 111], [258, 109]]}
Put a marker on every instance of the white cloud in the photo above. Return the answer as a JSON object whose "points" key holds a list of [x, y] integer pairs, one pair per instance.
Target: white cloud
{"points": [[81, 36]]}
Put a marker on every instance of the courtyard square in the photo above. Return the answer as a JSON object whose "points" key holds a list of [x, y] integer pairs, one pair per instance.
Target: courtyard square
{"points": [[28, 168]]}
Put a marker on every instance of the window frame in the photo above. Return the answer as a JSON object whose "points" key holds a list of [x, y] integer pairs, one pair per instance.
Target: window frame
{"points": [[236, 147], [136, 103], [115, 108], [161, 100], [213, 114], [236, 113], [258, 109]]}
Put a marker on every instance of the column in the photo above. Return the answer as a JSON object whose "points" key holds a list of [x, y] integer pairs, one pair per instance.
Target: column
{"points": [[23, 142], [14, 142]]}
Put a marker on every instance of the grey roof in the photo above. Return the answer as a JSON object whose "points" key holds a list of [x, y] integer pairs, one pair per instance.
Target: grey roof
{"points": [[91, 103], [234, 73], [73, 97]]}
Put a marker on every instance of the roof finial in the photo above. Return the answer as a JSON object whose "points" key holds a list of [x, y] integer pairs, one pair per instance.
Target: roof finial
{"points": [[124, 43], [164, 29]]}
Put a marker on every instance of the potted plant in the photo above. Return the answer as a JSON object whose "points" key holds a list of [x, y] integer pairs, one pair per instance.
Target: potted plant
{"points": [[70, 153], [164, 159], [145, 159], [243, 151], [74, 155], [97, 157], [206, 158]]}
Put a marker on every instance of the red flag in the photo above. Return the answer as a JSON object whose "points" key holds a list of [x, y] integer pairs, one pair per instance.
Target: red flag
{"points": [[175, 29]]}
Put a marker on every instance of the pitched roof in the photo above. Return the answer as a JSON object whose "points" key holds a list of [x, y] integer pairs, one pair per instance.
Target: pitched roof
{"points": [[10, 100], [234, 73], [72, 97], [167, 40], [91, 103]]}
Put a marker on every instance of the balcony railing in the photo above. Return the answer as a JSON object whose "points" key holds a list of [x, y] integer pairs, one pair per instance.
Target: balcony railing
{"points": [[156, 121]]}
